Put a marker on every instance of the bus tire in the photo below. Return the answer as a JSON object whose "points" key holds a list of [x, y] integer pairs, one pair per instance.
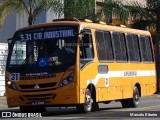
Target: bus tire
{"points": [[95, 106], [32, 109], [132, 102], [125, 103], [87, 106], [136, 97]]}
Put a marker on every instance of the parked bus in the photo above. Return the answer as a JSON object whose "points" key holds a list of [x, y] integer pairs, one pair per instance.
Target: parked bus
{"points": [[72, 62]]}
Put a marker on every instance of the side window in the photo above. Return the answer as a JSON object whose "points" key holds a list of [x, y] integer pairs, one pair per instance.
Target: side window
{"points": [[86, 48], [133, 49], [19, 53], [149, 49], [136, 48], [101, 50], [104, 45], [119, 46], [108, 44], [146, 49]]}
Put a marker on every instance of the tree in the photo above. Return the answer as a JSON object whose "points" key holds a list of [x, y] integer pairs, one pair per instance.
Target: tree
{"points": [[148, 15], [80, 9], [142, 15], [31, 7], [1, 21], [110, 8]]}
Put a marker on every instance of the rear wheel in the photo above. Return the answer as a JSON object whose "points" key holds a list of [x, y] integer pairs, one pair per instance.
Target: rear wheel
{"points": [[136, 98], [132, 102], [32, 109], [126, 103], [87, 106]]}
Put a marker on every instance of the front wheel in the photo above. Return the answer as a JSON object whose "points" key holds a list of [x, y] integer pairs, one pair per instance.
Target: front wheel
{"points": [[87, 106]]}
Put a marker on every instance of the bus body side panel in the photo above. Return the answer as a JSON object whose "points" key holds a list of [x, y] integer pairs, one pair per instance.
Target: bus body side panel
{"points": [[140, 74], [119, 81], [90, 75], [146, 77]]}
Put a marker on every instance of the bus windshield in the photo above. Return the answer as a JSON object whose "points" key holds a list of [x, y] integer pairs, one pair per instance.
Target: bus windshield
{"points": [[44, 47]]}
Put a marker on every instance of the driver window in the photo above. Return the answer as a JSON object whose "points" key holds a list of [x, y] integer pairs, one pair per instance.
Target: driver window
{"points": [[86, 48]]}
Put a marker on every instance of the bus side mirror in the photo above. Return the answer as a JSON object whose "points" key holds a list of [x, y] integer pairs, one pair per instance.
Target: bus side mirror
{"points": [[9, 42], [81, 34]]}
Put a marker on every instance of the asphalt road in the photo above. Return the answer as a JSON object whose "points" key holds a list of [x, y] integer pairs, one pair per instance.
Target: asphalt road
{"points": [[149, 108]]}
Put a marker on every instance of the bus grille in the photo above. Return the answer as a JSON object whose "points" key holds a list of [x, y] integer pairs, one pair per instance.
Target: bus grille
{"points": [[38, 97], [44, 85], [38, 87]]}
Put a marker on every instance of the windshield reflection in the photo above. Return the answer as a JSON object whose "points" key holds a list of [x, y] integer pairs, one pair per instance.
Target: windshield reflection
{"points": [[44, 53]]}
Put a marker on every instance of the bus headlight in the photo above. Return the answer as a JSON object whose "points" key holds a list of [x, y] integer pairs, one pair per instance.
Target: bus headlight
{"points": [[11, 85], [67, 80]]}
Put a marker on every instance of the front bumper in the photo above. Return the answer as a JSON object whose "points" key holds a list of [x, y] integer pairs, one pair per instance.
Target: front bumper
{"points": [[66, 95]]}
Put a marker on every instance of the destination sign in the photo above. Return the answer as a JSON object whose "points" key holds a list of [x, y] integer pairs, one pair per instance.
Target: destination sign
{"points": [[42, 35]]}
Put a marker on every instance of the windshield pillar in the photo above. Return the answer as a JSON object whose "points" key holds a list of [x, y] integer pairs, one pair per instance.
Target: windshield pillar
{"points": [[30, 52]]}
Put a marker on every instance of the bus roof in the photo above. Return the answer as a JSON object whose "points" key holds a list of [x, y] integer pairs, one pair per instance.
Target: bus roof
{"points": [[85, 23]]}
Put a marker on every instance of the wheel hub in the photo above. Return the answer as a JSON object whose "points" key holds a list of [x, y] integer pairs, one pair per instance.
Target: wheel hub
{"points": [[137, 98]]}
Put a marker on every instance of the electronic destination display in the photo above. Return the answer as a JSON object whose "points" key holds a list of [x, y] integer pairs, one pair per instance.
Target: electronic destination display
{"points": [[47, 33]]}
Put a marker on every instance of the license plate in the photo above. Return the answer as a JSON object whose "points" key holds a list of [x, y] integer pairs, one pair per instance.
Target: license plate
{"points": [[38, 103]]}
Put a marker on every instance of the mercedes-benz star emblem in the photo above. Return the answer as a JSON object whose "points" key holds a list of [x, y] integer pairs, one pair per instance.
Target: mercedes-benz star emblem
{"points": [[36, 86]]}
